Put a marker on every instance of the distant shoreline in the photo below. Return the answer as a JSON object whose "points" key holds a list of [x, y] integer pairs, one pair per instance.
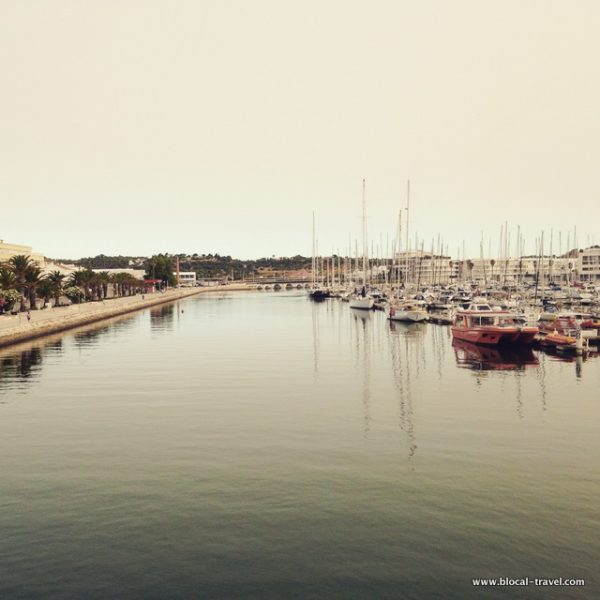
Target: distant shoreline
{"points": [[15, 329]]}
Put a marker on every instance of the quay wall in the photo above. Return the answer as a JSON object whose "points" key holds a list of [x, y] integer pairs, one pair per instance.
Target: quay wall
{"points": [[17, 328]]}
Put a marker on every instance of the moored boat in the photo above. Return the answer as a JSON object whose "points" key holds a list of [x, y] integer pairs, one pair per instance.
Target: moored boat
{"points": [[319, 294], [408, 312], [479, 324], [359, 301]]}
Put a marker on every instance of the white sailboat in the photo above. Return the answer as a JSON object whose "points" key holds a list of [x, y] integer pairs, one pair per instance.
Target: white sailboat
{"points": [[363, 300], [409, 312]]}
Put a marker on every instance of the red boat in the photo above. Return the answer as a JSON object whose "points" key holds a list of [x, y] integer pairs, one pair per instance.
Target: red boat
{"points": [[479, 324]]}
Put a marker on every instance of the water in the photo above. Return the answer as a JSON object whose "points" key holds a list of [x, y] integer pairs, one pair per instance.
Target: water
{"points": [[261, 446]]}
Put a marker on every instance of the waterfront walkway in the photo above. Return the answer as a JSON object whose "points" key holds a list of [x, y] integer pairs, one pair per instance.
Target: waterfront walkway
{"points": [[18, 328]]}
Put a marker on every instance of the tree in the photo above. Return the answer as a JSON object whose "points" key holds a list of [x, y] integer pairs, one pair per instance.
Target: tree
{"points": [[56, 279], [84, 279], [20, 265], [470, 265], [45, 289], [7, 278], [493, 264], [160, 266], [103, 278], [33, 277]]}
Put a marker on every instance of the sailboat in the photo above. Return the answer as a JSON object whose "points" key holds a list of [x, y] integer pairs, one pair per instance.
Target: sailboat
{"points": [[409, 311], [363, 300], [316, 293]]}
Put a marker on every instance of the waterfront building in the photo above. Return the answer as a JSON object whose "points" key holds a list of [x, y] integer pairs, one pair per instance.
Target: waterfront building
{"points": [[424, 268], [7, 251], [589, 264], [187, 278], [575, 266], [427, 268]]}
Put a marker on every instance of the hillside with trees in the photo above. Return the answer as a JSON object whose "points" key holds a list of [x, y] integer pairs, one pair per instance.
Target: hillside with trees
{"points": [[206, 266]]}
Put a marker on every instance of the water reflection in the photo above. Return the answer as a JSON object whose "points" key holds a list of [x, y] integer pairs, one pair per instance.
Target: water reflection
{"points": [[20, 365], [315, 335], [162, 317], [362, 347], [90, 337], [485, 358], [402, 337]]}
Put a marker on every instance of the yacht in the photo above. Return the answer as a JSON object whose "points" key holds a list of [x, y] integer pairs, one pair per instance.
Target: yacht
{"points": [[480, 324]]}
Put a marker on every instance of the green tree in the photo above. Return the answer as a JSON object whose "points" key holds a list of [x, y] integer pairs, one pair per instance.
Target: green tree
{"points": [[160, 266], [7, 278], [20, 266], [33, 277], [45, 289], [56, 279]]}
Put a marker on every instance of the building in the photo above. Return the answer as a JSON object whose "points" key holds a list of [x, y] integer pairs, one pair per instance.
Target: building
{"points": [[588, 264], [7, 251], [525, 269], [187, 278], [423, 268]]}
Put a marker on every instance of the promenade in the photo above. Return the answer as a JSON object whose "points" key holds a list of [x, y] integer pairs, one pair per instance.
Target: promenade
{"points": [[18, 328]]}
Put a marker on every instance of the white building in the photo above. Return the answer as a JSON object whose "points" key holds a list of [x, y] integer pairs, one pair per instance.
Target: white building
{"points": [[187, 278], [423, 268]]}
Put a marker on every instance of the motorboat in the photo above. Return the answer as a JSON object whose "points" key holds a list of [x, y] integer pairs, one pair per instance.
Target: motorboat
{"points": [[480, 324]]}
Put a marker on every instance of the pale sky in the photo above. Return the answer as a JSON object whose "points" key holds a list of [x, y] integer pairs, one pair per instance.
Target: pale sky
{"points": [[135, 127]]}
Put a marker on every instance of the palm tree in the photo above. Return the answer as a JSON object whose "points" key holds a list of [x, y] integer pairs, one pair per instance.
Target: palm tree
{"points": [[20, 265], [45, 289], [33, 278], [470, 265], [56, 278], [492, 263], [7, 278], [85, 279], [125, 284], [103, 279]]}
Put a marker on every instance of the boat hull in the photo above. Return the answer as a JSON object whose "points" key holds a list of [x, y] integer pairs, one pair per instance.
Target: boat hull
{"points": [[362, 303], [495, 336], [320, 295], [408, 316]]}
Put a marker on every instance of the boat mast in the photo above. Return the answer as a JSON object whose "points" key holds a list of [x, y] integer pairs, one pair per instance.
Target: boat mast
{"points": [[365, 241], [407, 231], [313, 251]]}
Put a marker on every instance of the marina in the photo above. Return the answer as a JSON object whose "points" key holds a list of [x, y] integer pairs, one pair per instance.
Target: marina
{"points": [[299, 301], [392, 450]]}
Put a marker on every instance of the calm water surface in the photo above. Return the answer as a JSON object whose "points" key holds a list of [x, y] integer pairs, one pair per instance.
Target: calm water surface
{"points": [[261, 446]]}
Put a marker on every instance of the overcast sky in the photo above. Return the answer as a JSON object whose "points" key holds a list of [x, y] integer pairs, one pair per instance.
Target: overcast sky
{"points": [[135, 127]]}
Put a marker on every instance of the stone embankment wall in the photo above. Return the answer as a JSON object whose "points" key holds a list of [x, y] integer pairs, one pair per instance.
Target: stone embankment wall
{"points": [[18, 328]]}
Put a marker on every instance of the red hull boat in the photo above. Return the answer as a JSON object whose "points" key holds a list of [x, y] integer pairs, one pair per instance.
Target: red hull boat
{"points": [[479, 324]]}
